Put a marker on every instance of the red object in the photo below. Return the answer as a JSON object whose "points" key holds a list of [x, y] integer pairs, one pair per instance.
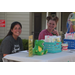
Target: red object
{"points": [[64, 47], [2, 23]]}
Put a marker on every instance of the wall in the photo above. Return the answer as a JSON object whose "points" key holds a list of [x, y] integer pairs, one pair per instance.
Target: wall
{"points": [[43, 20], [2, 29], [27, 21], [22, 17], [32, 21]]}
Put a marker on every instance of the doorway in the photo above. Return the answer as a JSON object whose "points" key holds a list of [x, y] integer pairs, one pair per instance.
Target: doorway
{"points": [[37, 24]]}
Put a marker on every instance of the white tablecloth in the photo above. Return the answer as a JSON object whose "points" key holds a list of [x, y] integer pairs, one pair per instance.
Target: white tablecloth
{"points": [[64, 56]]}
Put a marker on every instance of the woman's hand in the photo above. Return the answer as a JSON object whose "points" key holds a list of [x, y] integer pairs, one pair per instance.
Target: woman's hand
{"points": [[55, 32], [4, 55]]}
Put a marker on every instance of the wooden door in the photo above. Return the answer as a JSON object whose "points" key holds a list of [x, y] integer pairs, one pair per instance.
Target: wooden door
{"points": [[37, 24]]}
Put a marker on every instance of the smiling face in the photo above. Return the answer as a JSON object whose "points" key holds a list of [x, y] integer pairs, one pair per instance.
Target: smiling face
{"points": [[51, 25], [16, 31]]}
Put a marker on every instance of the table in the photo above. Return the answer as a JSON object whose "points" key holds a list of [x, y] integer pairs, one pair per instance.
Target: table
{"points": [[64, 56]]}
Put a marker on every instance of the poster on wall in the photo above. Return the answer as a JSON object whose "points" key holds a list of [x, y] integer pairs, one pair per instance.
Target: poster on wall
{"points": [[2, 23]]}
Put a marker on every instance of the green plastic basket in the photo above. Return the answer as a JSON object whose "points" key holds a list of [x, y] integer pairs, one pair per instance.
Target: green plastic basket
{"points": [[53, 47]]}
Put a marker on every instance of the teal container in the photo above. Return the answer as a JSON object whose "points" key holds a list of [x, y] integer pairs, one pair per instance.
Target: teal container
{"points": [[53, 47]]}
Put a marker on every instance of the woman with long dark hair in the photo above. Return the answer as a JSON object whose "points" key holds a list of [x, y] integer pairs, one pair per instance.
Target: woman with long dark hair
{"points": [[12, 43]]}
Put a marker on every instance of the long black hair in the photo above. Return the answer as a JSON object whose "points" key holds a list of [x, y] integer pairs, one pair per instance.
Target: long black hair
{"points": [[12, 26]]}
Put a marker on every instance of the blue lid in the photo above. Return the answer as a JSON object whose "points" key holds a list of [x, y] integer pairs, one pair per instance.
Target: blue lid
{"points": [[65, 43], [72, 32]]}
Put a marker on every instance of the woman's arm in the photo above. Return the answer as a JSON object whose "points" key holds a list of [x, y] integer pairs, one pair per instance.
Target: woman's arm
{"points": [[6, 47]]}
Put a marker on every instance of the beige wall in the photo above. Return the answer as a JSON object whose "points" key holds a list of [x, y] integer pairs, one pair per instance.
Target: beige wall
{"points": [[27, 21], [23, 17], [2, 29]]}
